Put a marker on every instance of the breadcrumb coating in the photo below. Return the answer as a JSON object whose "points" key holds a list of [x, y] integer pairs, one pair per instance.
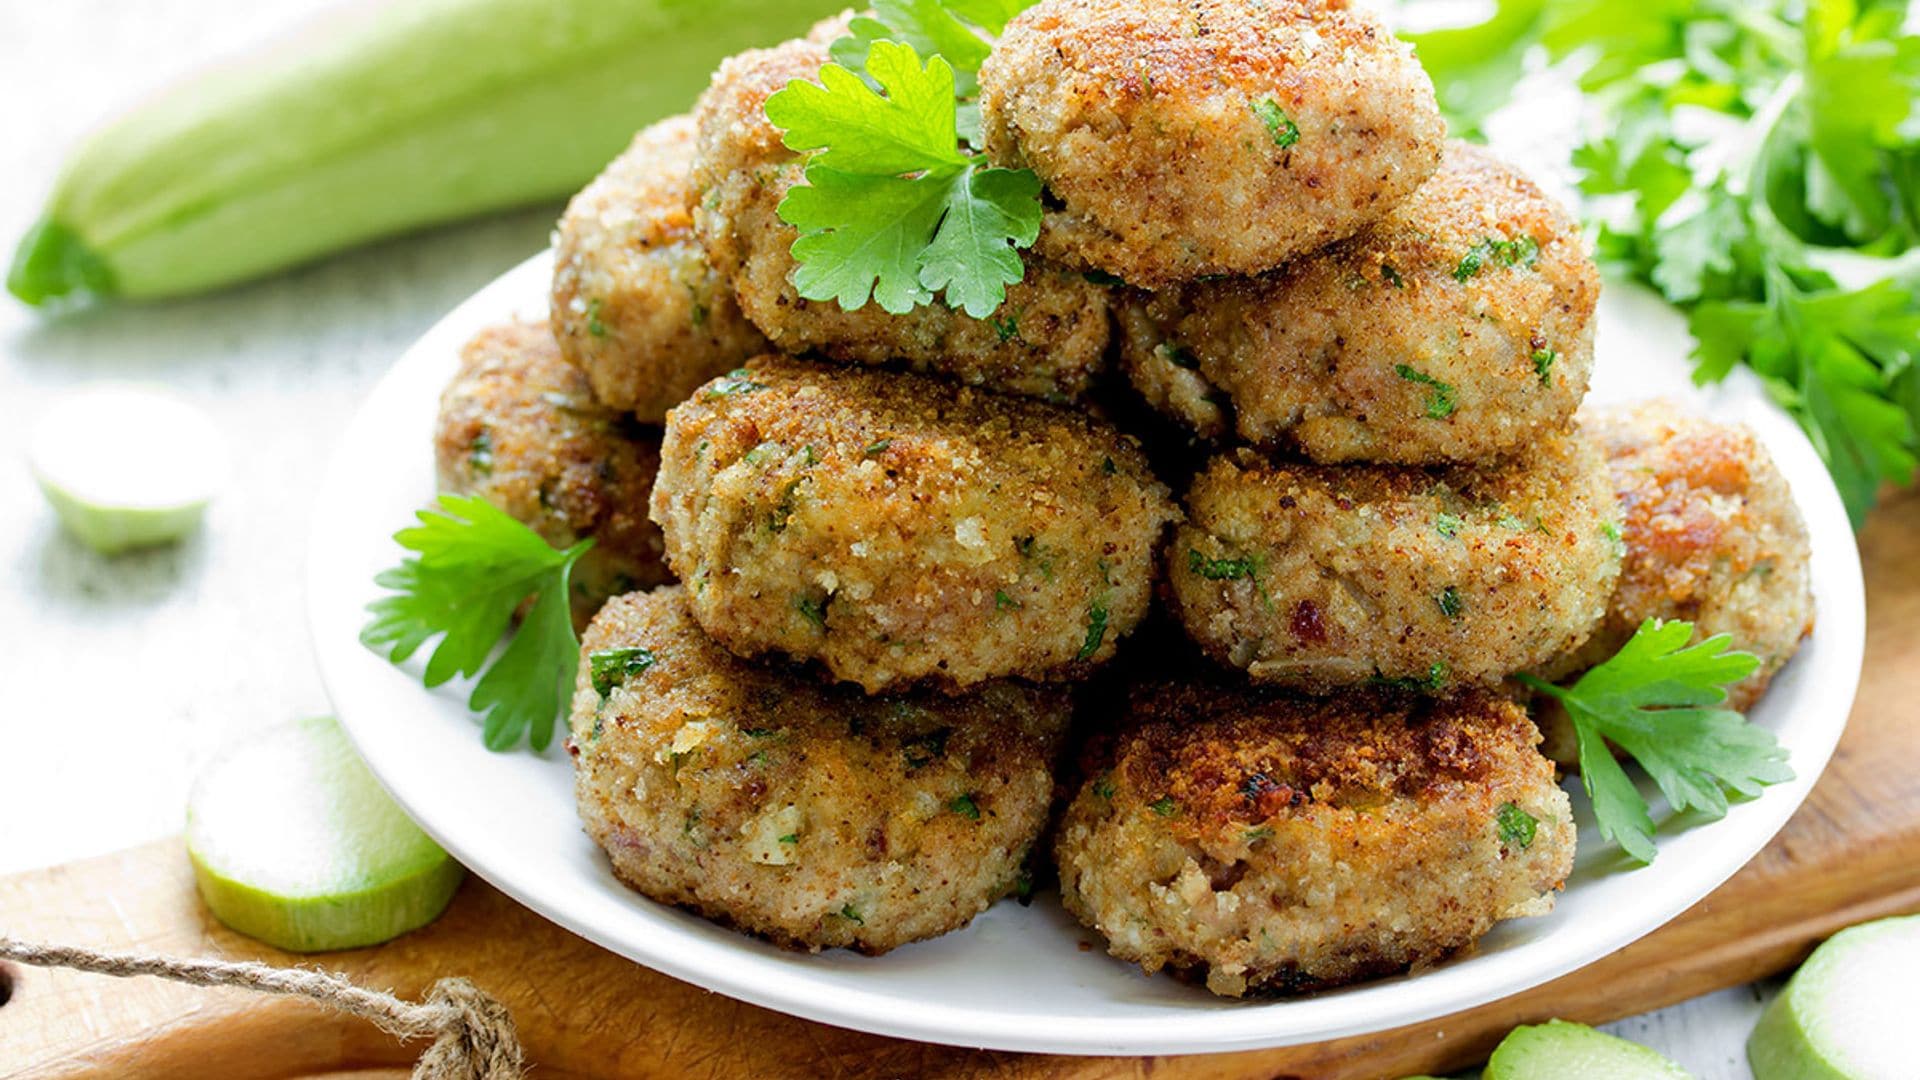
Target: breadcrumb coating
{"points": [[1194, 137], [1460, 328], [897, 528], [1712, 536], [1264, 842], [519, 428], [813, 816], [1320, 576], [635, 304]]}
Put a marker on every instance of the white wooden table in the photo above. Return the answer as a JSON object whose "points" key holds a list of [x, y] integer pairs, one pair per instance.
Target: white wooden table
{"points": [[119, 677]]}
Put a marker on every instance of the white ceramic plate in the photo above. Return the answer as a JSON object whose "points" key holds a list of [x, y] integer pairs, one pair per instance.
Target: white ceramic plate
{"points": [[1017, 979]]}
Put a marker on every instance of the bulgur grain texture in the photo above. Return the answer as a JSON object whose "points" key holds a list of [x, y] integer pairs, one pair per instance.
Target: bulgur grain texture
{"points": [[816, 817], [899, 528], [1328, 576], [1268, 843], [519, 428], [1459, 328], [1048, 340], [635, 304], [1193, 137]]}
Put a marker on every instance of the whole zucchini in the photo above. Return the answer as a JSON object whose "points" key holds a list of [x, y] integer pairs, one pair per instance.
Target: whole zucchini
{"points": [[416, 112]]}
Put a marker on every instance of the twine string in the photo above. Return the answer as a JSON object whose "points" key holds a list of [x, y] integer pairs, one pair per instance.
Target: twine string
{"points": [[473, 1035]]}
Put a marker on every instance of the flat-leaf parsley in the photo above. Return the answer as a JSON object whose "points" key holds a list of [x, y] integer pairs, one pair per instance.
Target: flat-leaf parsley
{"points": [[472, 567], [957, 30], [1657, 699], [1758, 162], [898, 208]]}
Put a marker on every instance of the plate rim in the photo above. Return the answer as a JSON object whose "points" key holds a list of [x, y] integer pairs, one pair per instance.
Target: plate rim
{"points": [[1236, 1027]]}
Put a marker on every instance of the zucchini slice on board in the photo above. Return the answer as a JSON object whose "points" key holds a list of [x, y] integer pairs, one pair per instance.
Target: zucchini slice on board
{"points": [[1849, 1013], [294, 843], [1558, 1050]]}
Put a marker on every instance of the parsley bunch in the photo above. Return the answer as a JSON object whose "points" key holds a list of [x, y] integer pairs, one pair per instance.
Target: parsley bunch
{"points": [[1760, 166], [472, 568], [1658, 700], [899, 205]]}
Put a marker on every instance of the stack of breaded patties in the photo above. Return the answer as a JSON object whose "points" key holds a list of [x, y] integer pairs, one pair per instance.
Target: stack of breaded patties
{"points": [[1385, 337], [900, 540]]}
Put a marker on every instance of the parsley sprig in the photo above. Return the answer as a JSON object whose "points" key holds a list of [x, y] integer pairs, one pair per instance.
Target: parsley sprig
{"points": [[1759, 164], [961, 31], [1659, 700], [472, 566], [899, 206]]}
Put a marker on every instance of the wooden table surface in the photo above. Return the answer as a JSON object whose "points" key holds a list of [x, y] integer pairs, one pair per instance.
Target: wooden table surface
{"points": [[205, 641]]}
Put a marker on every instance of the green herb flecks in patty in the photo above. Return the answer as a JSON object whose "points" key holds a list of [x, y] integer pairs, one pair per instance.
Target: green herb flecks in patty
{"points": [[1280, 127], [1441, 397]]}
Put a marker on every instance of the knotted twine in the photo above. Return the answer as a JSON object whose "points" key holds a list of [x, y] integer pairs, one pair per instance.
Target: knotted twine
{"points": [[473, 1035]]}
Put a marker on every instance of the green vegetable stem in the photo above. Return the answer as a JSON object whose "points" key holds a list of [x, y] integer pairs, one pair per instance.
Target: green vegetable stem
{"points": [[415, 114]]}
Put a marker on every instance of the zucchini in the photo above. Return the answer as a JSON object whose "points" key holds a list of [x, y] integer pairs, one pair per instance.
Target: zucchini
{"points": [[128, 466], [294, 843], [1558, 1050], [416, 113], [1844, 1014]]}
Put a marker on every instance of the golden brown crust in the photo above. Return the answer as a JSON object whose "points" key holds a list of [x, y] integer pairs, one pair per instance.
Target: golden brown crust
{"points": [[1343, 356], [519, 428], [1160, 125], [1201, 745], [1712, 536], [736, 147], [1325, 576], [1268, 842], [811, 815], [1048, 340], [635, 304], [898, 528]]}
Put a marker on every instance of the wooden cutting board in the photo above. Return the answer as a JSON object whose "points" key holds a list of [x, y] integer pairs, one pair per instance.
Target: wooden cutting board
{"points": [[1852, 853]]}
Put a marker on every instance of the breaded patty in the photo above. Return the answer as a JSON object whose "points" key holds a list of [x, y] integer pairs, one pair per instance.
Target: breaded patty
{"points": [[1264, 842], [813, 816], [635, 304], [1192, 137], [1321, 576], [1712, 536], [519, 428], [898, 528], [1048, 340], [1461, 327]]}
